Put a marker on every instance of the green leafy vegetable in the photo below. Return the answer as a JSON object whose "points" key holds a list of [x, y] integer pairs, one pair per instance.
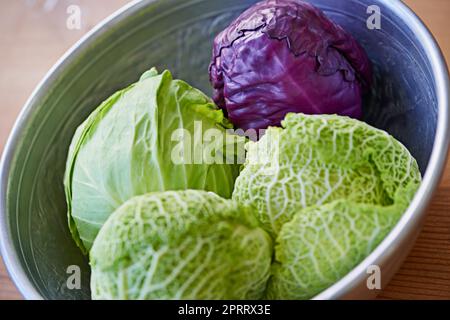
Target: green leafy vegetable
{"points": [[328, 189], [180, 245], [323, 243], [318, 159], [125, 149]]}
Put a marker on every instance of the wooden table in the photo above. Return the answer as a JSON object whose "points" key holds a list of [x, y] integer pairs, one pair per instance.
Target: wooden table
{"points": [[34, 35]]}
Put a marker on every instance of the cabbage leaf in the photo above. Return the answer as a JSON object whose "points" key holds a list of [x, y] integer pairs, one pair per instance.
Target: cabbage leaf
{"points": [[328, 189], [180, 245], [125, 149]]}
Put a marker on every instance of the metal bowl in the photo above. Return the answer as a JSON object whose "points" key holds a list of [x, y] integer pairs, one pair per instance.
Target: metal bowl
{"points": [[409, 100]]}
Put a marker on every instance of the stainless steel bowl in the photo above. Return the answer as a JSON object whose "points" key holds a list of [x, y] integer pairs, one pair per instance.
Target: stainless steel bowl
{"points": [[409, 100]]}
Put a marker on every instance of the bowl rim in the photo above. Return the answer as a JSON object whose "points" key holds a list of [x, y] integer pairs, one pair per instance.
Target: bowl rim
{"points": [[406, 225], [436, 165], [10, 257]]}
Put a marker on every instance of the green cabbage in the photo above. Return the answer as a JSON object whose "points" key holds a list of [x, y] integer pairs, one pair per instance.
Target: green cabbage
{"points": [[125, 147], [321, 244], [180, 245], [328, 189]]}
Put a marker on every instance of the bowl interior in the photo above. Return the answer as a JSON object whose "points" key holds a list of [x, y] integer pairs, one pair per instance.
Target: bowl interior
{"points": [[177, 34]]}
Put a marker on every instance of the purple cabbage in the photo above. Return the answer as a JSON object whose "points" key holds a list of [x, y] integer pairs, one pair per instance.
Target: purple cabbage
{"points": [[284, 56]]}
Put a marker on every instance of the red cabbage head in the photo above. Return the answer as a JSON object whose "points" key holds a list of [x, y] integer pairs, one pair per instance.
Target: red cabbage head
{"points": [[284, 56]]}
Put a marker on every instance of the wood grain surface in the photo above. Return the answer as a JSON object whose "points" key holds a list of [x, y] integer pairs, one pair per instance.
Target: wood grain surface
{"points": [[34, 35]]}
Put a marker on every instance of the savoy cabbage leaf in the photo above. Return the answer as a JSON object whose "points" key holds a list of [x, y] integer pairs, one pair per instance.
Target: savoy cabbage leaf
{"points": [[180, 245], [328, 189]]}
